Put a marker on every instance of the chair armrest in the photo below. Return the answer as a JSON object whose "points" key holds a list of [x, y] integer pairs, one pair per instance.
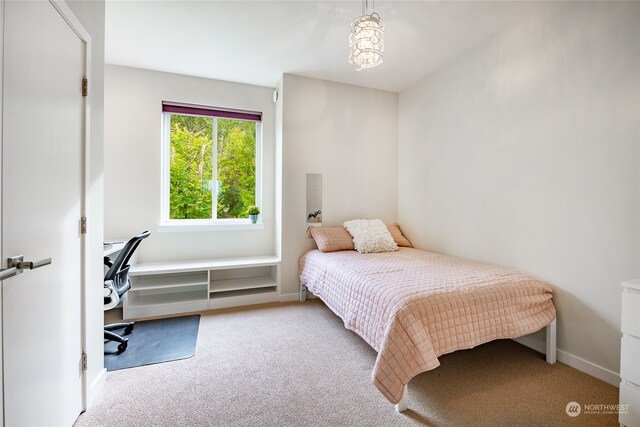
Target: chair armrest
{"points": [[110, 294]]}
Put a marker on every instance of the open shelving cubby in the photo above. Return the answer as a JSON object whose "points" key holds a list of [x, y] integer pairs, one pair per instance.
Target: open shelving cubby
{"points": [[186, 286], [230, 285]]}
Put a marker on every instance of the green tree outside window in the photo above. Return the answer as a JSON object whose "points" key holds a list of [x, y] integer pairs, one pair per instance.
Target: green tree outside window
{"points": [[192, 183]]}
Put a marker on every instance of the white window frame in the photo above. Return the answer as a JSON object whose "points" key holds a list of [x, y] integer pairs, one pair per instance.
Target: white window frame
{"points": [[213, 224]]}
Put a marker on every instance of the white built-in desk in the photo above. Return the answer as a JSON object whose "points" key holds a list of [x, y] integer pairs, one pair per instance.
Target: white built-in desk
{"points": [[185, 286], [112, 248]]}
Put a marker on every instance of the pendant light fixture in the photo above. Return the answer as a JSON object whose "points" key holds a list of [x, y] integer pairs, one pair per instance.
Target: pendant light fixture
{"points": [[366, 39]]}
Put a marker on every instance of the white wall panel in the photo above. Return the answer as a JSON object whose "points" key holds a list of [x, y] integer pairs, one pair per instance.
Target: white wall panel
{"points": [[525, 152]]}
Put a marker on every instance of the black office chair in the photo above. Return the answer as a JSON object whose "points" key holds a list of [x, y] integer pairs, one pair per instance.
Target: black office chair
{"points": [[116, 285]]}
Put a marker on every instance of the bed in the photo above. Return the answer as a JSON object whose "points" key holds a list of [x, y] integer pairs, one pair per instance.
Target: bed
{"points": [[412, 306]]}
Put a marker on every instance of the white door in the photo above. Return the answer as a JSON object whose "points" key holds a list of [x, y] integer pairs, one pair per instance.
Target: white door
{"points": [[42, 192]]}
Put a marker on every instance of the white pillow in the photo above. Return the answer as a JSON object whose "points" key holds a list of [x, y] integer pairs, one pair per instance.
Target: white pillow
{"points": [[370, 235]]}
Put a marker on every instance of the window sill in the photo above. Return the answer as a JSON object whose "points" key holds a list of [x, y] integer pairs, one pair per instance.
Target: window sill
{"points": [[222, 226]]}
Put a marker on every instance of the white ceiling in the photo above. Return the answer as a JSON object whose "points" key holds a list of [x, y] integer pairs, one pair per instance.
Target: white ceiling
{"points": [[256, 42]]}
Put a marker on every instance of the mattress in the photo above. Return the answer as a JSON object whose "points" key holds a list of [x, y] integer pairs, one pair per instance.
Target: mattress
{"points": [[412, 306]]}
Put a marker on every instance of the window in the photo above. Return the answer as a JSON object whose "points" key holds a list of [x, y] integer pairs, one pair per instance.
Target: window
{"points": [[211, 159]]}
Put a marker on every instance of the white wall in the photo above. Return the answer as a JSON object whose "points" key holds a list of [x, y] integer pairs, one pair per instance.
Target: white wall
{"points": [[1, 173], [133, 109], [525, 153], [91, 15], [348, 134], [278, 181]]}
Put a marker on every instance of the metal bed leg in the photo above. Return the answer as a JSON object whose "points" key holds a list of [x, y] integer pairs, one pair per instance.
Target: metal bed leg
{"points": [[303, 292], [403, 404], [551, 342]]}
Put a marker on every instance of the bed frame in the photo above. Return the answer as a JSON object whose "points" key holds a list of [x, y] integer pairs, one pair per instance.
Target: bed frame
{"points": [[550, 352]]}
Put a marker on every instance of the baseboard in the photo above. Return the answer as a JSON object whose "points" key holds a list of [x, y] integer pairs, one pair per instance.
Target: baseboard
{"points": [[290, 297], [96, 386], [295, 297], [574, 361]]}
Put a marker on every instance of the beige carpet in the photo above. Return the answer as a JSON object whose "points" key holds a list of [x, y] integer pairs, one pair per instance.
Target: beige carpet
{"points": [[296, 365]]}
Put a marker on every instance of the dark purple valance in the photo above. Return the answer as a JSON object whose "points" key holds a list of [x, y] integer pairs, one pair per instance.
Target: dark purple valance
{"points": [[201, 110]]}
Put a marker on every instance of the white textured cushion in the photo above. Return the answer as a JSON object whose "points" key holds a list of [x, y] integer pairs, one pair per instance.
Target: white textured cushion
{"points": [[370, 235]]}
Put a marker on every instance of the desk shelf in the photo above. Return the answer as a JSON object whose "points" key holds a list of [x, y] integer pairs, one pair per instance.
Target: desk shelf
{"points": [[180, 287], [171, 280], [243, 297], [166, 298], [227, 285]]}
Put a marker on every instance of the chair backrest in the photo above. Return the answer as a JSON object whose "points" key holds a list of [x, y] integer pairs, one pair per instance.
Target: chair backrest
{"points": [[118, 271]]}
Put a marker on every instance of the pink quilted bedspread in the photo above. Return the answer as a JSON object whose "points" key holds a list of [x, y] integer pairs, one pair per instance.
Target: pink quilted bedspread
{"points": [[412, 306]]}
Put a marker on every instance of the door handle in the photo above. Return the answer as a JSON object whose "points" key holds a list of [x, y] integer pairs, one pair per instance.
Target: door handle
{"points": [[18, 263], [5, 273]]}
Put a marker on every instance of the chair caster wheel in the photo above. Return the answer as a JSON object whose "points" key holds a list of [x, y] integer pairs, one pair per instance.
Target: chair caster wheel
{"points": [[122, 346], [128, 329]]}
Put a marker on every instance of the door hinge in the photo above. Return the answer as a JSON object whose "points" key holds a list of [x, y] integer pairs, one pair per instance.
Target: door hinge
{"points": [[84, 362], [83, 225], [85, 87]]}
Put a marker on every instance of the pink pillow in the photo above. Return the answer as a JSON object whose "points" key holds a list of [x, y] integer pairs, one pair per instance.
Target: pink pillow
{"points": [[332, 239], [397, 235]]}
